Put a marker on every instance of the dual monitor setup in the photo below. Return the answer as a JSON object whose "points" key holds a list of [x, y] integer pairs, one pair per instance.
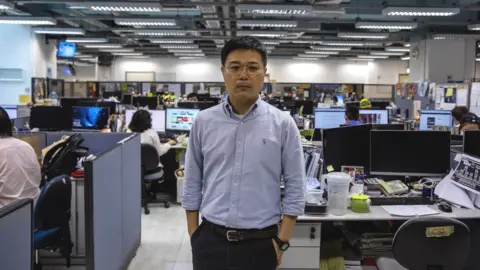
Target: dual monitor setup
{"points": [[335, 117], [169, 120], [387, 152], [56, 118]]}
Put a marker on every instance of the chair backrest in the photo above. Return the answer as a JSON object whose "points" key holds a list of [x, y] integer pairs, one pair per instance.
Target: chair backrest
{"points": [[150, 158], [54, 203], [432, 243]]}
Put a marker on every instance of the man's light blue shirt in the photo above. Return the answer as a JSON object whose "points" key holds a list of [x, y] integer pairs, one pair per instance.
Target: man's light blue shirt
{"points": [[234, 166]]}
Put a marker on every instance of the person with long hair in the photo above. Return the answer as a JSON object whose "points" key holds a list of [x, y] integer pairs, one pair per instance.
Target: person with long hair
{"points": [[20, 173]]}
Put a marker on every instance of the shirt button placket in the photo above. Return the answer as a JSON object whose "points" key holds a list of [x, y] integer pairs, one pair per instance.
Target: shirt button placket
{"points": [[237, 174]]}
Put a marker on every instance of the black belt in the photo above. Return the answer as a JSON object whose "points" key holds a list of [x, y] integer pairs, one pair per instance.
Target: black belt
{"points": [[235, 235]]}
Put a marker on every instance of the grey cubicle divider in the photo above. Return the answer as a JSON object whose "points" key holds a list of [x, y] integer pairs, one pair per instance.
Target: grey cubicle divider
{"points": [[16, 235], [112, 205], [95, 141], [131, 197]]}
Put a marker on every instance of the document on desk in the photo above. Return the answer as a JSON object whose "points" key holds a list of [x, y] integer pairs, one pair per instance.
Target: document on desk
{"points": [[409, 210]]}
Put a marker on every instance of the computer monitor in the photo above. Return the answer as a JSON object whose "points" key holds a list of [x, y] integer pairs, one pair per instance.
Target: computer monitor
{"points": [[409, 153], [141, 101], [430, 118], [51, 118], [158, 119], [307, 106], [94, 118], [127, 99], [11, 111], [112, 106], [179, 119], [346, 146], [203, 105], [340, 99], [186, 105], [388, 127], [471, 142], [329, 118], [371, 116]]}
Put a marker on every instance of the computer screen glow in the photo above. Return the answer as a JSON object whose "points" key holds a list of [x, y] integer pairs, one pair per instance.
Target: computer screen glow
{"points": [[158, 119], [430, 118], [90, 117], [180, 119], [374, 116], [329, 118]]}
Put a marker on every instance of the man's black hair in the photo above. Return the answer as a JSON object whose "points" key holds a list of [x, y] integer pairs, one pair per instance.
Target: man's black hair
{"points": [[244, 43], [352, 113], [459, 112], [6, 127], [141, 121]]}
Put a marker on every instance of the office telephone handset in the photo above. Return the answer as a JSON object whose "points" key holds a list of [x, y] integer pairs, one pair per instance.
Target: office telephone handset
{"points": [[396, 187]]}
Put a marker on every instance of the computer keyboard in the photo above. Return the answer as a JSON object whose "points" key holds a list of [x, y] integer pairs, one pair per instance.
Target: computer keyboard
{"points": [[378, 201]]}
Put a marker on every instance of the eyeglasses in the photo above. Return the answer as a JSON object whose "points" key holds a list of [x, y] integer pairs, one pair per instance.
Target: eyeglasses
{"points": [[251, 70]]}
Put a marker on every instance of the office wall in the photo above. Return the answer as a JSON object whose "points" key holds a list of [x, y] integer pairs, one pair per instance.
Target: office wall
{"points": [[45, 57], [84, 73], [281, 70]]}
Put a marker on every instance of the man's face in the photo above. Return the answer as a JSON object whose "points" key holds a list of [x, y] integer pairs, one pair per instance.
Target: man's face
{"points": [[243, 74]]}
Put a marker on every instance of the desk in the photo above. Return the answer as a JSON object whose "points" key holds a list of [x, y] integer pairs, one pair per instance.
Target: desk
{"points": [[304, 252]]}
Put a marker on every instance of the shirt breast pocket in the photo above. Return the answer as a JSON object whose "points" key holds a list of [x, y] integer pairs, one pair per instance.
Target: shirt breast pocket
{"points": [[265, 146]]}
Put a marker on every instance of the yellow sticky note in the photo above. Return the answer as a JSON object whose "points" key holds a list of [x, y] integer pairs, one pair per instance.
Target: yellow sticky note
{"points": [[330, 168], [444, 231], [449, 92], [149, 95], [24, 99]]}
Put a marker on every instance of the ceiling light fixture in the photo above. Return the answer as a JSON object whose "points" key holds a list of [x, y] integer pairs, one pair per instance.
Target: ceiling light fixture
{"points": [[312, 55], [321, 52], [360, 59], [180, 47], [102, 46], [405, 58], [478, 59], [261, 34], [127, 53], [447, 37], [420, 11], [86, 40], [146, 22], [306, 58], [160, 33], [397, 49], [269, 42], [125, 50], [124, 6], [351, 43], [272, 24], [59, 31], [185, 51], [290, 10], [136, 56], [474, 27], [189, 54], [386, 25], [83, 55], [407, 45], [27, 20], [171, 41], [364, 35], [190, 58], [373, 56], [4, 5], [388, 53], [326, 48]]}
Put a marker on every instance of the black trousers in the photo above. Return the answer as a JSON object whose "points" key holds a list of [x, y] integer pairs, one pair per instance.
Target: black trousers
{"points": [[211, 251]]}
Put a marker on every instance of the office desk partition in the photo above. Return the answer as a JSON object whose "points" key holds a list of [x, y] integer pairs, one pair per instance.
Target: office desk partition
{"points": [[16, 235], [94, 141]]}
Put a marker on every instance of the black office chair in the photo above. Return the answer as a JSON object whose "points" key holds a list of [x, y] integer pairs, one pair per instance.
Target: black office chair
{"points": [[429, 243], [51, 218], [151, 173]]}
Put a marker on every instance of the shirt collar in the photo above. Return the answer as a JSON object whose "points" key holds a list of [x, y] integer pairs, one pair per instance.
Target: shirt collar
{"points": [[253, 110], [354, 122]]}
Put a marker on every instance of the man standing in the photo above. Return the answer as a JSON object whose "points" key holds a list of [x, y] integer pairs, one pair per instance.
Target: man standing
{"points": [[237, 154]]}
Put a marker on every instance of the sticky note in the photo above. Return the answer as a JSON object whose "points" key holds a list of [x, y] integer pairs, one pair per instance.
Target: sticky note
{"points": [[330, 168], [444, 231], [24, 99], [449, 92], [149, 95]]}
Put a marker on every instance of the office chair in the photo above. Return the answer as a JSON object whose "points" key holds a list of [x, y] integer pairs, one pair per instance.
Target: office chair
{"points": [[151, 173], [51, 219], [429, 243]]}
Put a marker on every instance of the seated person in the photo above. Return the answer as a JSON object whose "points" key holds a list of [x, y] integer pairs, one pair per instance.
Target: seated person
{"points": [[20, 173], [352, 116], [457, 113], [142, 123], [470, 121], [192, 97]]}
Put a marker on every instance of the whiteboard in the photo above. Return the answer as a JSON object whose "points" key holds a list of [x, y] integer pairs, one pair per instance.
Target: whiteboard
{"points": [[131, 76]]}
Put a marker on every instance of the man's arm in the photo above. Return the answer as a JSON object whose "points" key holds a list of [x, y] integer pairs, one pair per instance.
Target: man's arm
{"points": [[192, 185]]}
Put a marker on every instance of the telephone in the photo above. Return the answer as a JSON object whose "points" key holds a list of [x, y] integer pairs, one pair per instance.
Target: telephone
{"points": [[390, 188]]}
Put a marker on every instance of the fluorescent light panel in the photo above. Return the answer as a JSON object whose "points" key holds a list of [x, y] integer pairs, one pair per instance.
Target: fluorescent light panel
{"points": [[160, 33], [272, 23], [474, 27], [117, 50], [352, 43], [5, 5], [364, 35], [27, 20], [269, 42], [127, 53], [83, 55], [321, 52], [266, 9], [360, 59], [190, 58], [185, 51], [405, 58], [136, 56], [306, 58], [373, 56], [189, 54], [407, 45], [397, 49], [478, 59], [102, 46], [180, 47], [86, 40], [388, 53], [146, 22], [261, 34], [124, 6], [59, 31], [420, 11], [326, 48], [386, 25], [312, 55], [172, 41]]}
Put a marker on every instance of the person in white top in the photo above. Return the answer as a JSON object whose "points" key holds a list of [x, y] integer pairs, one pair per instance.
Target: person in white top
{"points": [[142, 123], [20, 174]]}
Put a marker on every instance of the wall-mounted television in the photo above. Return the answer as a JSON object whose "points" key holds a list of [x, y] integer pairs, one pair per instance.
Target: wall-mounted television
{"points": [[66, 49]]}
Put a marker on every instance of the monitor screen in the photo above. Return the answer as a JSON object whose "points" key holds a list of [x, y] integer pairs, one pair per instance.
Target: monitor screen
{"points": [[374, 116], [90, 117], [158, 119], [66, 49], [347, 146], [329, 118], [389, 127], [11, 111], [180, 119], [471, 145], [41, 118], [430, 118], [410, 153], [340, 100]]}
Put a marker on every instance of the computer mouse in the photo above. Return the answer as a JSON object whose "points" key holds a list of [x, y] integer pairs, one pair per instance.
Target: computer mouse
{"points": [[445, 207]]}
